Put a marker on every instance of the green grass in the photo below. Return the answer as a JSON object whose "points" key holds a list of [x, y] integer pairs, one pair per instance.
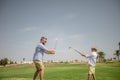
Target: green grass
{"points": [[104, 71]]}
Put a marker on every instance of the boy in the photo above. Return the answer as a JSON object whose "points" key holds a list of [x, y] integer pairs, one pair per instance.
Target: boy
{"points": [[92, 62]]}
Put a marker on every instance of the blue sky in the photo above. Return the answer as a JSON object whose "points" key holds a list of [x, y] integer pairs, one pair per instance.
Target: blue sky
{"points": [[77, 23]]}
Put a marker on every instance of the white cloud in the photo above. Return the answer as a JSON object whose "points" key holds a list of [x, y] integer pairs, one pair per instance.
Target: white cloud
{"points": [[74, 36], [27, 29]]}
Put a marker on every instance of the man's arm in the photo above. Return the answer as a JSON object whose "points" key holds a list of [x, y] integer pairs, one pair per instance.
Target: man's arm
{"points": [[51, 51], [48, 51]]}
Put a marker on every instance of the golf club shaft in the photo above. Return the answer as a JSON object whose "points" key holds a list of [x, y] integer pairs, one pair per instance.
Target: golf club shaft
{"points": [[76, 51], [55, 44]]}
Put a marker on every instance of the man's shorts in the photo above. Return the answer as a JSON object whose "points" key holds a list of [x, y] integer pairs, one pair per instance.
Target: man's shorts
{"points": [[38, 64], [91, 69]]}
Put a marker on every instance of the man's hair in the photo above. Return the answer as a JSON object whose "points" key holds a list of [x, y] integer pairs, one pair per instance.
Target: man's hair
{"points": [[43, 38]]}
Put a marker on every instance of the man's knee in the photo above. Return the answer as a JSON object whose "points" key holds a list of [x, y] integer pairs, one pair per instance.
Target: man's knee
{"points": [[38, 71]]}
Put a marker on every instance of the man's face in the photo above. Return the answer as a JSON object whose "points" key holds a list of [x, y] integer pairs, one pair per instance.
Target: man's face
{"points": [[44, 41]]}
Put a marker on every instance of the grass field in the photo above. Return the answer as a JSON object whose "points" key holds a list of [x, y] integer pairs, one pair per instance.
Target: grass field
{"points": [[104, 71]]}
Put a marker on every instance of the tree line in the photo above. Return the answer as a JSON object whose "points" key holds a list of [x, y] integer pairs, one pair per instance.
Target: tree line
{"points": [[5, 61], [101, 55], [117, 52]]}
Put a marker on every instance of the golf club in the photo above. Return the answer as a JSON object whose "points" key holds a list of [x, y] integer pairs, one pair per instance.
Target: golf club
{"points": [[75, 50], [55, 43]]}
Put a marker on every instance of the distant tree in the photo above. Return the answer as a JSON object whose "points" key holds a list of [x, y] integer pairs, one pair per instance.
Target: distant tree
{"points": [[15, 62], [23, 60], [4, 61], [76, 60], [104, 60], [101, 56], [51, 61], [11, 62], [119, 46], [117, 53], [114, 58]]}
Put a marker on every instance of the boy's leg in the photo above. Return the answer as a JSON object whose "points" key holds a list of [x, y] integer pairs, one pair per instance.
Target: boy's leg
{"points": [[94, 76], [89, 76], [91, 72]]}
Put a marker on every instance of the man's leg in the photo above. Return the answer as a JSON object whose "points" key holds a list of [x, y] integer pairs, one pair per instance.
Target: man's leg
{"points": [[35, 74], [89, 76], [41, 74], [39, 70], [94, 76]]}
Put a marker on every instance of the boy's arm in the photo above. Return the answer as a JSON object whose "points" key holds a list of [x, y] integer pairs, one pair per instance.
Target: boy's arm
{"points": [[86, 55], [83, 55]]}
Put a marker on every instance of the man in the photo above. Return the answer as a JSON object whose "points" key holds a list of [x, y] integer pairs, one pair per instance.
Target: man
{"points": [[92, 62], [38, 57]]}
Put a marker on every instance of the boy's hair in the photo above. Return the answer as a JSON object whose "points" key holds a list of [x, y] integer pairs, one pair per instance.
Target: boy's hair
{"points": [[93, 48]]}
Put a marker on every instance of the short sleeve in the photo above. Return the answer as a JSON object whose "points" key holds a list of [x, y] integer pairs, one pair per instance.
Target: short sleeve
{"points": [[43, 47]]}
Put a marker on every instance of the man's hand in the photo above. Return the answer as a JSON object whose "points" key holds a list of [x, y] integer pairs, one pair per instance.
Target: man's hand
{"points": [[51, 51]]}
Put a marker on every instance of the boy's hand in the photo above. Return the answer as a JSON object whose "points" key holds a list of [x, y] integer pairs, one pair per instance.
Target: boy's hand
{"points": [[83, 55]]}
